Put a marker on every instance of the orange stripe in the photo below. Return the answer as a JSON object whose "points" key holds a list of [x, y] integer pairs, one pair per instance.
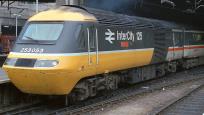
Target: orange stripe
{"points": [[193, 47], [175, 49], [186, 48]]}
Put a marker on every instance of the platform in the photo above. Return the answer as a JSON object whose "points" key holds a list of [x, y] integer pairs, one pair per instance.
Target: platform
{"points": [[154, 102], [3, 77], [192, 104]]}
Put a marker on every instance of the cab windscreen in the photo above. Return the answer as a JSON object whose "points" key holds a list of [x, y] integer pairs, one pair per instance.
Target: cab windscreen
{"points": [[42, 32]]}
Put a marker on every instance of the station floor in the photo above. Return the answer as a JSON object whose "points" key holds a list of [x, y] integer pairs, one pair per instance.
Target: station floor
{"points": [[150, 103]]}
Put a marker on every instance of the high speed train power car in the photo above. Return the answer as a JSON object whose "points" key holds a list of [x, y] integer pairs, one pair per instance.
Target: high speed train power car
{"points": [[80, 51]]}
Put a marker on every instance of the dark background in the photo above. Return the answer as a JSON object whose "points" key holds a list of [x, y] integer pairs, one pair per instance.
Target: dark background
{"points": [[181, 11]]}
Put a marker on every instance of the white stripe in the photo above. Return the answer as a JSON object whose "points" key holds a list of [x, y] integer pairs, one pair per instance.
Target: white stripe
{"points": [[187, 31], [193, 31], [121, 51], [79, 54], [186, 46], [176, 47], [177, 30]]}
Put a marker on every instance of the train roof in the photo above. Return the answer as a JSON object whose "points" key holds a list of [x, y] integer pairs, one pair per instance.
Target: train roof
{"points": [[115, 19], [64, 13], [81, 13], [111, 18]]}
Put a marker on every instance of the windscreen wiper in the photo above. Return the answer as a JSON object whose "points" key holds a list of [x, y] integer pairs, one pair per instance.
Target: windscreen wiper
{"points": [[37, 41], [30, 38]]}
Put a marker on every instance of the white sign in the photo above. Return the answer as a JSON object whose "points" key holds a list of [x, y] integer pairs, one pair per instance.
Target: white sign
{"points": [[128, 36], [110, 35], [139, 35], [122, 36]]}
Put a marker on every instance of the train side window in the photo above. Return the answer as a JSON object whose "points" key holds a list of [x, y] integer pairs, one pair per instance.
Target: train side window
{"points": [[188, 38], [77, 31], [198, 37], [92, 37], [82, 39], [178, 38], [202, 37]]}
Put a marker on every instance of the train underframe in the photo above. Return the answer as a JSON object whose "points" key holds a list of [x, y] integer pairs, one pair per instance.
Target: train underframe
{"points": [[89, 87]]}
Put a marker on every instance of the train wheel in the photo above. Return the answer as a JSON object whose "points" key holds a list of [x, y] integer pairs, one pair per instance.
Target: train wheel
{"points": [[112, 82]]}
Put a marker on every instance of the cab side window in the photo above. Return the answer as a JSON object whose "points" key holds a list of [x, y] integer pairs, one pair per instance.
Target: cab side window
{"points": [[83, 36], [77, 31], [92, 37]]}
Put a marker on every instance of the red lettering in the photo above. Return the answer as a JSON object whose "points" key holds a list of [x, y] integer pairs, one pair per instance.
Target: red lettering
{"points": [[125, 44]]}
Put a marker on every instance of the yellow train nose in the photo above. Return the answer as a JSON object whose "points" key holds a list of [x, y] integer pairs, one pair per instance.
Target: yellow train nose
{"points": [[43, 74], [41, 81]]}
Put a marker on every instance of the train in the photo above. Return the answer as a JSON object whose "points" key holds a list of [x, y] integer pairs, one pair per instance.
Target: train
{"points": [[79, 51]]}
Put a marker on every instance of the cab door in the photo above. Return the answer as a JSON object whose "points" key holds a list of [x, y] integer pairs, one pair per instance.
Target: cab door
{"points": [[92, 49]]}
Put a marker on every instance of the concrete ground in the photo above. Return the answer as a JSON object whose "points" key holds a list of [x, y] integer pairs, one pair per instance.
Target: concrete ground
{"points": [[150, 103]]}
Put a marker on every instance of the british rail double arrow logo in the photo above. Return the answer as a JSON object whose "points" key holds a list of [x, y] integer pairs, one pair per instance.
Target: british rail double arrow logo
{"points": [[109, 36]]}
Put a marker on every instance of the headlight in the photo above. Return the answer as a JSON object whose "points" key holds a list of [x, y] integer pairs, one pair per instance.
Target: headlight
{"points": [[10, 61], [46, 63]]}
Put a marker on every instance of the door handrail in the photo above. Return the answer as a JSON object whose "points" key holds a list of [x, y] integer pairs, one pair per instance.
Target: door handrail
{"points": [[97, 52], [89, 50]]}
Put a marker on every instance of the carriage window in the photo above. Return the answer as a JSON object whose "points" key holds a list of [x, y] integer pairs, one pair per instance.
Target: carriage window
{"points": [[178, 38], [198, 37], [202, 36]]}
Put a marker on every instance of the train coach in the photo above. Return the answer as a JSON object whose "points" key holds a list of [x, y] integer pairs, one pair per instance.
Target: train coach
{"points": [[79, 51]]}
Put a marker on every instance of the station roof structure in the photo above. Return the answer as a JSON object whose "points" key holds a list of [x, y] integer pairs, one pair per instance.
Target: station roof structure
{"points": [[181, 11], [175, 10], [8, 3], [189, 6], [29, 0]]}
